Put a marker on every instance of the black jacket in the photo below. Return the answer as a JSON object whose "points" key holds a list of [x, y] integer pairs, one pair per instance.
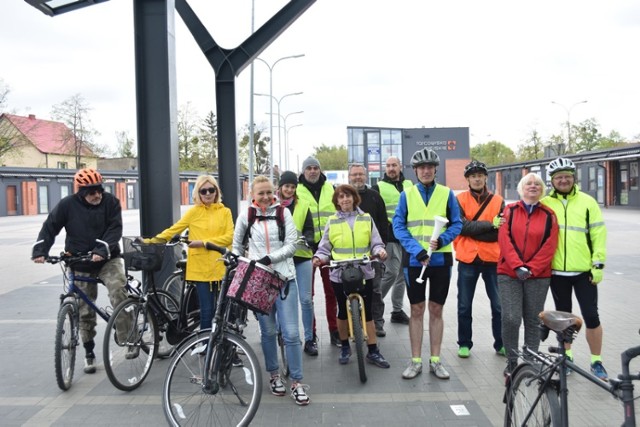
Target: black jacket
{"points": [[371, 202], [83, 223]]}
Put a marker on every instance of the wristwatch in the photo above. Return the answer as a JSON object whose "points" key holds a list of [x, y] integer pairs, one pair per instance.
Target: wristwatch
{"points": [[598, 266]]}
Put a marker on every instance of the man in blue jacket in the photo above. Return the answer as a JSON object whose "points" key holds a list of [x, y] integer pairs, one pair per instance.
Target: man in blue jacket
{"points": [[414, 225]]}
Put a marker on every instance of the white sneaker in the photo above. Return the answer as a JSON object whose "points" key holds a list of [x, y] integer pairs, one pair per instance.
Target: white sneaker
{"points": [[438, 370], [412, 371]]}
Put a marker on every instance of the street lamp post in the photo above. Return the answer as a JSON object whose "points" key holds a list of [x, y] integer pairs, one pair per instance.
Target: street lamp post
{"points": [[271, 67], [286, 143], [271, 113], [286, 140], [568, 110]]}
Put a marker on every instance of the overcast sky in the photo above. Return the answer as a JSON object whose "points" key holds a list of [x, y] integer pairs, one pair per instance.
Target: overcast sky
{"points": [[492, 66]]}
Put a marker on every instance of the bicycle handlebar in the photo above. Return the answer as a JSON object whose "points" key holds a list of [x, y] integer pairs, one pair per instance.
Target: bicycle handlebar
{"points": [[70, 258], [213, 247], [351, 261]]}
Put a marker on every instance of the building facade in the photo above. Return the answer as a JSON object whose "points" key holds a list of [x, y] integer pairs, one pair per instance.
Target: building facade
{"points": [[371, 146]]}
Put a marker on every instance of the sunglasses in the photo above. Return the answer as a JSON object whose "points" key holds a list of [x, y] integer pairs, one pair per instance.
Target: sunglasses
{"points": [[204, 191], [96, 191]]}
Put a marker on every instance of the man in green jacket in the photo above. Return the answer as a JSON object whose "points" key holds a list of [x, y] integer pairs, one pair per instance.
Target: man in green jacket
{"points": [[580, 257]]}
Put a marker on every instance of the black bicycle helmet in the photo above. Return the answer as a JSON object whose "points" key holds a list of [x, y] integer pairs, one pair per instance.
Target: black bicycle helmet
{"points": [[475, 167], [425, 156], [561, 165]]}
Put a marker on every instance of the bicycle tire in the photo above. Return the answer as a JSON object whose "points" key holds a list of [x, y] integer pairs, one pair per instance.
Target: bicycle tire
{"points": [[185, 403], [284, 368], [175, 284], [521, 396], [358, 337], [128, 373], [66, 342]]}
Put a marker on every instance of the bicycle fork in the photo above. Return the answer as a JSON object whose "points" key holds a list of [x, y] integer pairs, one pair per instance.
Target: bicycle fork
{"points": [[363, 320]]}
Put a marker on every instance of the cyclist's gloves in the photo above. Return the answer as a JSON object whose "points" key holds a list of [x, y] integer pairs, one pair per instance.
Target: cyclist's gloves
{"points": [[265, 260], [523, 273], [596, 276]]}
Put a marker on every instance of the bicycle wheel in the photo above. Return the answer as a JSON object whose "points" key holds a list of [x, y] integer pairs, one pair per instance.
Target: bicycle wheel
{"points": [[358, 337], [165, 321], [236, 401], [521, 397], [175, 284], [128, 358], [284, 369], [65, 345]]}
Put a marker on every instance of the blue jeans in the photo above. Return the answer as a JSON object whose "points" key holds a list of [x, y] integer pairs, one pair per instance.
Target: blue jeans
{"points": [[303, 278], [207, 298], [468, 275], [287, 312]]}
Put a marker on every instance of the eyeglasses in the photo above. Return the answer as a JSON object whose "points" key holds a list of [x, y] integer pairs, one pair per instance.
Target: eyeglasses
{"points": [[204, 191], [562, 177]]}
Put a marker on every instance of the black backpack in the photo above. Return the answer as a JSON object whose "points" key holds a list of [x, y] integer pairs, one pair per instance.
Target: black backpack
{"points": [[251, 218]]}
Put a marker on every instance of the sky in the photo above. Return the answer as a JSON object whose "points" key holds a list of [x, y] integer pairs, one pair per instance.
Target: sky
{"points": [[493, 66]]}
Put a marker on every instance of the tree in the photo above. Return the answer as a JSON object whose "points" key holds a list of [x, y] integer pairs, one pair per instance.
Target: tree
{"points": [[74, 113], [126, 146], [532, 149], [586, 136], [4, 95], [614, 139], [188, 138], [209, 142], [493, 153], [331, 157], [260, 152]]}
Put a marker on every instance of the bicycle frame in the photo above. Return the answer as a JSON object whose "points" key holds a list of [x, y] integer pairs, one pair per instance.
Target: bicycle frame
{"points": [[621, 387]]}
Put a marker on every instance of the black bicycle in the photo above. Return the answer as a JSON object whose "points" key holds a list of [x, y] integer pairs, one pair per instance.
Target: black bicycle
{"points": [[214, 377], [536, 391], [67, 336], [156, 319]]}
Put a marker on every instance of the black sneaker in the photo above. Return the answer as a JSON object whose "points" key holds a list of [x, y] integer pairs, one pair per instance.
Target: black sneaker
{"points": [[335, 338], [90, 363], [399, 317], [311, 348]]}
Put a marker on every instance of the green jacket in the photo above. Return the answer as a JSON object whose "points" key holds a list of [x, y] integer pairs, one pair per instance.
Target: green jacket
{"points": [[582, 234]]}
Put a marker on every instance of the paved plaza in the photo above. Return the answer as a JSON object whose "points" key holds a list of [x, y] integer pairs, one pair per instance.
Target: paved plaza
{"points": [[472, 397]]}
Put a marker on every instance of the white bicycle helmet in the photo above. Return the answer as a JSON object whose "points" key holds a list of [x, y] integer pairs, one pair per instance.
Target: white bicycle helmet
{"points": [[475, 167], [561, 165], [426, 156]]}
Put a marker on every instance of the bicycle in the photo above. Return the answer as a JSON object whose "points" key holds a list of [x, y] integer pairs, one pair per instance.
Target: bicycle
{"points": [[356, 316], [536, 391], [156, 319], [67, 336], [205, 384]]}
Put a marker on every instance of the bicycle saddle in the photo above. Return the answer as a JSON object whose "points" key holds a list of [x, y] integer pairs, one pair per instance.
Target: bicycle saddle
{"points": [[560, 321]]}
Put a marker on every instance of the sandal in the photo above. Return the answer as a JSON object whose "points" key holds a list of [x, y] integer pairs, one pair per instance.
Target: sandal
{"points": [[299, 394]]}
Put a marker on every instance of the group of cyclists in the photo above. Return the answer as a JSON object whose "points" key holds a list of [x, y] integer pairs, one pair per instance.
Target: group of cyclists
{"points": [[542, 241]]}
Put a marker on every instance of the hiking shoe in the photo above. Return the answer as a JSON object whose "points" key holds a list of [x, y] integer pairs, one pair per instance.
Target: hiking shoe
{"points": [[380, 332], [438, 370], [375, 358], [598, 370], [299, 394], [412, 370], [335, 338], [311, 348], [277, 386], [511, 365], [502, 352], [464, 352], [345, 354], [132, 352], [90, 365], [399, 317]]}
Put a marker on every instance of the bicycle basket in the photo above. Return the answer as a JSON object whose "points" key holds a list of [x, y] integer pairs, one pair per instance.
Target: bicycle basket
{"points": [[352, 279], [140, 256]]}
